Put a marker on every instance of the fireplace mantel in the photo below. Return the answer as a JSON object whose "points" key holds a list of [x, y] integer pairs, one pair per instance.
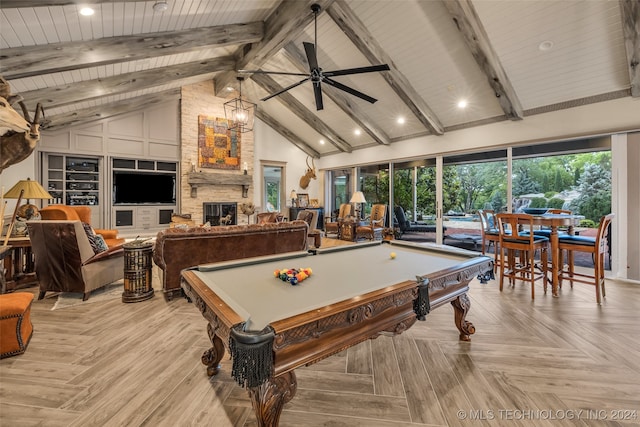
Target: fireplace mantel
{"points": [[198, 179]]}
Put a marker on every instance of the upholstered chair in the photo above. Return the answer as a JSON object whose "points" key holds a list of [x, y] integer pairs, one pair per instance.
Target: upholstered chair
{"points": [[268, 217], [66, 262], [79, 213], [374, 226], [332, 225], [310, 216]]}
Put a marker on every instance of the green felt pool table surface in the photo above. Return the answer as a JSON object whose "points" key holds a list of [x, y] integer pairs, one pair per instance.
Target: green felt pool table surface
{"points": [[260, 298]]}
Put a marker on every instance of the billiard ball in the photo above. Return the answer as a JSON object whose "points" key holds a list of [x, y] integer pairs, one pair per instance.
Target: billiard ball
{"points": [[392, 255]]}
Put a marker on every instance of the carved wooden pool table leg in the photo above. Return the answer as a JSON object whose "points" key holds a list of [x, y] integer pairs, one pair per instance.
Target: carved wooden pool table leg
{"points": [[213, 356], [461, 306], [269, 398]]}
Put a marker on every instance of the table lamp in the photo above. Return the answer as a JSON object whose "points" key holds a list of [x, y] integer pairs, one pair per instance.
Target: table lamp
{"points": [[32, 190], [357, 198], [293, 196]]}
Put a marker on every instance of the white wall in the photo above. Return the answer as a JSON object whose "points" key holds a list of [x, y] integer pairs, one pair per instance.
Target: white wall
{"points": [[272, 146], [11, 175]]}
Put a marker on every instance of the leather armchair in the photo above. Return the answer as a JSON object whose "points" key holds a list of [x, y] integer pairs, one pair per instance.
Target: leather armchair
{"points": [[79, 213], [65, 261]]}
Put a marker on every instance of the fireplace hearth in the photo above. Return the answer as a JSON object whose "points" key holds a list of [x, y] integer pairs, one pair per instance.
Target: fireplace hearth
{"points": [[223, 213]]}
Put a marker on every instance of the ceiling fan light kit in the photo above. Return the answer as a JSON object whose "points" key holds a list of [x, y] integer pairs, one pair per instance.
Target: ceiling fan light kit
{"points": [[317, 76]]}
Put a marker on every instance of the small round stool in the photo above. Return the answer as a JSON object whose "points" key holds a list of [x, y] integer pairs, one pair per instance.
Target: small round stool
{"points": [[15, 323]]}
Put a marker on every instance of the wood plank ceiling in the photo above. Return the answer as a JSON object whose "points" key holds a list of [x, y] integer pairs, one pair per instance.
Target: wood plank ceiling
{"points": [[508, 60]]}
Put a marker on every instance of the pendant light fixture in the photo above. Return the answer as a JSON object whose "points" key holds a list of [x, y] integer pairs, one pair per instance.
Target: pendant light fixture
{"points": [[240, 112]]}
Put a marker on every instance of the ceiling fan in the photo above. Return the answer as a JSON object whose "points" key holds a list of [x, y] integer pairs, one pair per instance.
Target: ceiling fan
{"points": [[318, 76]]}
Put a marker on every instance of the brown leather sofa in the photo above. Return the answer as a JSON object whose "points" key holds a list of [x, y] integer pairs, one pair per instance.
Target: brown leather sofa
{"points": [[81, 213], [177, 248]]}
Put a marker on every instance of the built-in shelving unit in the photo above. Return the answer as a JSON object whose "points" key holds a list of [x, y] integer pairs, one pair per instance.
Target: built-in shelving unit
{"points": [[144, 194], [74, 180]]}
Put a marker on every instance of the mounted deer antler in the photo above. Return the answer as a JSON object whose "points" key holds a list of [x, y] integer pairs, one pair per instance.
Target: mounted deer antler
{"points": [[309, 174], [18, 135], [17, 146]]}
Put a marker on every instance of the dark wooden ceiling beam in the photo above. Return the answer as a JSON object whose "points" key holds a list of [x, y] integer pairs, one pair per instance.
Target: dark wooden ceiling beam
{"points": [[286, 23], [345, 102], [270, 85], [35, 60], [468, 23], [292, 137], [100, 112], [181, 74], [630, 11]]}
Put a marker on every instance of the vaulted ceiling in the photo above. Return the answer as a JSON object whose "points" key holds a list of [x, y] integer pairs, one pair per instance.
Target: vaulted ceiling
{"points": [[507, 59]]}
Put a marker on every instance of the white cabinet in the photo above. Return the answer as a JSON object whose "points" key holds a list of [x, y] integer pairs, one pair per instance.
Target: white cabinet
{"points": [[142, 218]]}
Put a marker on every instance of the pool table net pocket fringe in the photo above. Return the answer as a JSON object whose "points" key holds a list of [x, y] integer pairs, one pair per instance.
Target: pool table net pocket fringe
{"points": [[252, 355]]}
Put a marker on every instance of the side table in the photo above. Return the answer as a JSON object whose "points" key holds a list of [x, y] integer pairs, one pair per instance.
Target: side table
{"points": [[19, 264], [137, 271]]}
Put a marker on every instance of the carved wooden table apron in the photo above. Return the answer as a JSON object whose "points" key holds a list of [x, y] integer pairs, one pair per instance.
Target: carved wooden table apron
{"points": [[354, 293], [553, 221]]}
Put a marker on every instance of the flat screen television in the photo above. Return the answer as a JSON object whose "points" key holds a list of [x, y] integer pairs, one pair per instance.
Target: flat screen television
{"points": [[136, 188]]}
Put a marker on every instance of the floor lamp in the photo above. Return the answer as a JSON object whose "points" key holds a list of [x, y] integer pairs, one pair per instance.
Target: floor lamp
{"points": [[358, 199]]}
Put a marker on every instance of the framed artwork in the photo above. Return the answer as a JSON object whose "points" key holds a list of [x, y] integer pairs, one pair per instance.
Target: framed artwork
{"points": [[314, 203], [218, 144], [303, 200]]}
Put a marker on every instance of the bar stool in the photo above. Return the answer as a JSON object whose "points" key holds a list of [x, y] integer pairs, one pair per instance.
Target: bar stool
{"points": [[490, 234], [597, 247], [516, 234]]}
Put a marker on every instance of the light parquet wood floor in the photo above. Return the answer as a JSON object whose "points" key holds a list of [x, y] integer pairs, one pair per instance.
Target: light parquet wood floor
{"points": [[549, 362]]}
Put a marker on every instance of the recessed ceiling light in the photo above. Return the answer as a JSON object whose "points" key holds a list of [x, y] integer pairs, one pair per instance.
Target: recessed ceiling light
{"points": [[545, 45], [230, 89], [357, 132], [160, 6], [86, 11], [462, 103], [322, 141], [400, 120]]}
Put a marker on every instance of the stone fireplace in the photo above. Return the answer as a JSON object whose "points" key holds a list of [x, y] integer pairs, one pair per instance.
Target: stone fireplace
{"points": [[220, 213]]}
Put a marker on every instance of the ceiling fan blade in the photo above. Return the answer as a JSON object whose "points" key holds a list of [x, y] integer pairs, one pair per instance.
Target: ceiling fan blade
{"points": [[285, 89], [312, 59], [350, 90], [284, 73], [317, 91], [359, 70]]}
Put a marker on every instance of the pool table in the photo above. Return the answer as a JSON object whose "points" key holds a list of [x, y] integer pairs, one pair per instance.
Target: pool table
{"points": [[354, 293]]}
